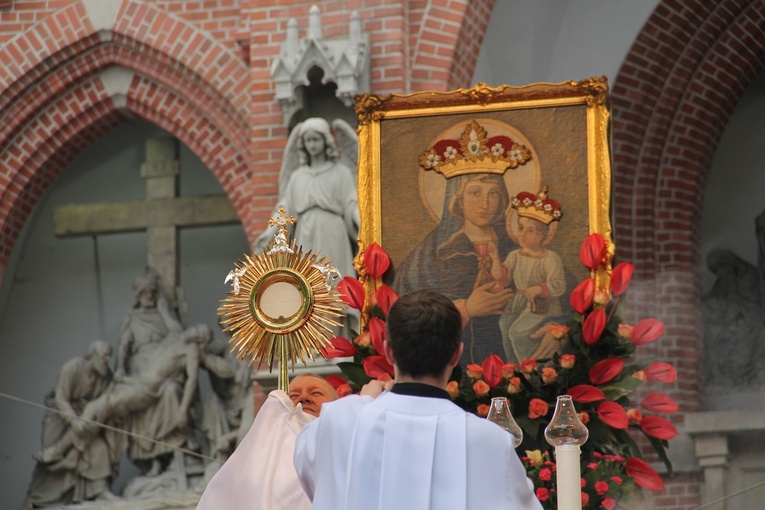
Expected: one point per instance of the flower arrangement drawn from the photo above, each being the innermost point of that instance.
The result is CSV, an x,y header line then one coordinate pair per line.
x,y
592,361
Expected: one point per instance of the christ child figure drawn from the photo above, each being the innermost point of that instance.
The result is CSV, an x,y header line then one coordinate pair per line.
x,y
535,271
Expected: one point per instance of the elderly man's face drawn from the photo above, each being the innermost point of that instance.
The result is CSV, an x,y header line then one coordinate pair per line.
x,y
311,392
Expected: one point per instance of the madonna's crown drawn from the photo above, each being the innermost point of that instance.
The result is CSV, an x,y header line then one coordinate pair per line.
x,y
474,152
537,207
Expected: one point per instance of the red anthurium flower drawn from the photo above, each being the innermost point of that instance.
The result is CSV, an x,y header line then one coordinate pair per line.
x,y
646,331
606,370
593,326
660,403
376,260
377,366
492,370
582,295
621,277
585,394
613,415
656,426
660,371
385,297
592,250
339,347
352,292
644,475
377,332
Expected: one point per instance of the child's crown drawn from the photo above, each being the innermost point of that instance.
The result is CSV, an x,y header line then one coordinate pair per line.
x,y
474,152
536,207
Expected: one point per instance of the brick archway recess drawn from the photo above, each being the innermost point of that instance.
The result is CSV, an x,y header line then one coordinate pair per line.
x,y
672,99
61,96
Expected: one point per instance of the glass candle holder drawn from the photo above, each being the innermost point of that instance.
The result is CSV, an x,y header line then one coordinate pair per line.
x,y
499,413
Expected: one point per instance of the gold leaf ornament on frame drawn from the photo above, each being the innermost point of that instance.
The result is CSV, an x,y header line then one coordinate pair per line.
x,y
283,304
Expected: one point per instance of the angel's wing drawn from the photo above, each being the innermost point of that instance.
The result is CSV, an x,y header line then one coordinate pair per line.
x,y
290,160
348,141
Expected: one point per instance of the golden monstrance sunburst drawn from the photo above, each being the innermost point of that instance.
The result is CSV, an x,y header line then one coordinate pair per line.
x,y
283,303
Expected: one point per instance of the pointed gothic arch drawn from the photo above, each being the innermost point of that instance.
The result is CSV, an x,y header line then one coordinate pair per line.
x,y
672,99
445,42
92,72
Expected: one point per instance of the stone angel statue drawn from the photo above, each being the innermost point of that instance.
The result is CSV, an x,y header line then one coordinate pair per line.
x,y
317,185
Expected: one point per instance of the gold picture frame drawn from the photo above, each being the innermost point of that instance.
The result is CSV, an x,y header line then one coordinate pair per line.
x,y
558,134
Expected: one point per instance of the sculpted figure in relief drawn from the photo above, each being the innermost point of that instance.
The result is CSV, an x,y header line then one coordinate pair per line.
x,y
85,471
176,356
146,325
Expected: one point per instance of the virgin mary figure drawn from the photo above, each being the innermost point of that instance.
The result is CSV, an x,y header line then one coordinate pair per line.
x,y
460,257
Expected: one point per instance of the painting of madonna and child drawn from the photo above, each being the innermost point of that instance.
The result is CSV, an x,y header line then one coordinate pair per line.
x,y
489,210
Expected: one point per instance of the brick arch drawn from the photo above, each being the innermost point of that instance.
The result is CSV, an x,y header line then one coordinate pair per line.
x,y
53,97
672,99
445,41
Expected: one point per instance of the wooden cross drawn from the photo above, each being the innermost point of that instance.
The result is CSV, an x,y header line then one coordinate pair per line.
x,y
161,214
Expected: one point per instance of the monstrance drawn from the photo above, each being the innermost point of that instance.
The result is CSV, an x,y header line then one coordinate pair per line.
x,y
283,303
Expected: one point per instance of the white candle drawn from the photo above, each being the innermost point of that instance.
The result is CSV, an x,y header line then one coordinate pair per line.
x,y
568,477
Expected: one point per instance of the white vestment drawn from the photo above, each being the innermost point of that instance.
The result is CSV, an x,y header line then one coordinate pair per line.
x,y
260,473
409,452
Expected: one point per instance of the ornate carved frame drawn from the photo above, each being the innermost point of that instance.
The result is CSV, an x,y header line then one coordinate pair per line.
x,y
538,110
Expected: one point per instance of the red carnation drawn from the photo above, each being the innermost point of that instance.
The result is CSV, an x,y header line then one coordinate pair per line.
x,y
352,292
582,295
660,403
385,297
585,394
377,333
656,426
376,260
613,415
594,325
621,277
592,250
606,370
644,475
492,370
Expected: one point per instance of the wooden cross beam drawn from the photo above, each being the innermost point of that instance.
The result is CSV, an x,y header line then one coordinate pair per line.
x,y
161,214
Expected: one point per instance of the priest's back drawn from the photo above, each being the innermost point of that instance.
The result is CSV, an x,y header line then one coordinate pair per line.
x,y
411,451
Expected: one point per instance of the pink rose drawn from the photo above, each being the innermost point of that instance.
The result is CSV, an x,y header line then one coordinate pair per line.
x,y
508,370
453,389
624,330
635,415
528,366
609,503
543,494
474,371
538,408
601,487
545,475
480,388
559,332
363,340
549,375
585,499
514,386
567,360
617,480
601,297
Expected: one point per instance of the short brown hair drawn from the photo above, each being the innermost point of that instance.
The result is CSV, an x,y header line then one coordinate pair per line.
x,y
424,330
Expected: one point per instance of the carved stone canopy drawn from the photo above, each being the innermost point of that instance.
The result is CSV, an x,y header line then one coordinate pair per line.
x,y
344,61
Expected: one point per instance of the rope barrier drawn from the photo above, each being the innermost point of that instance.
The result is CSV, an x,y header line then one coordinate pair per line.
x,y
110,428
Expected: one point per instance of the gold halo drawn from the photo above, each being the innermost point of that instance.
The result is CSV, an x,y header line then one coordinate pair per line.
x,y
261,334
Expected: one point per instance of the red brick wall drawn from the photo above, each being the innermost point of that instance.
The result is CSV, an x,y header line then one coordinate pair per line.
x,y
203,74
672,99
